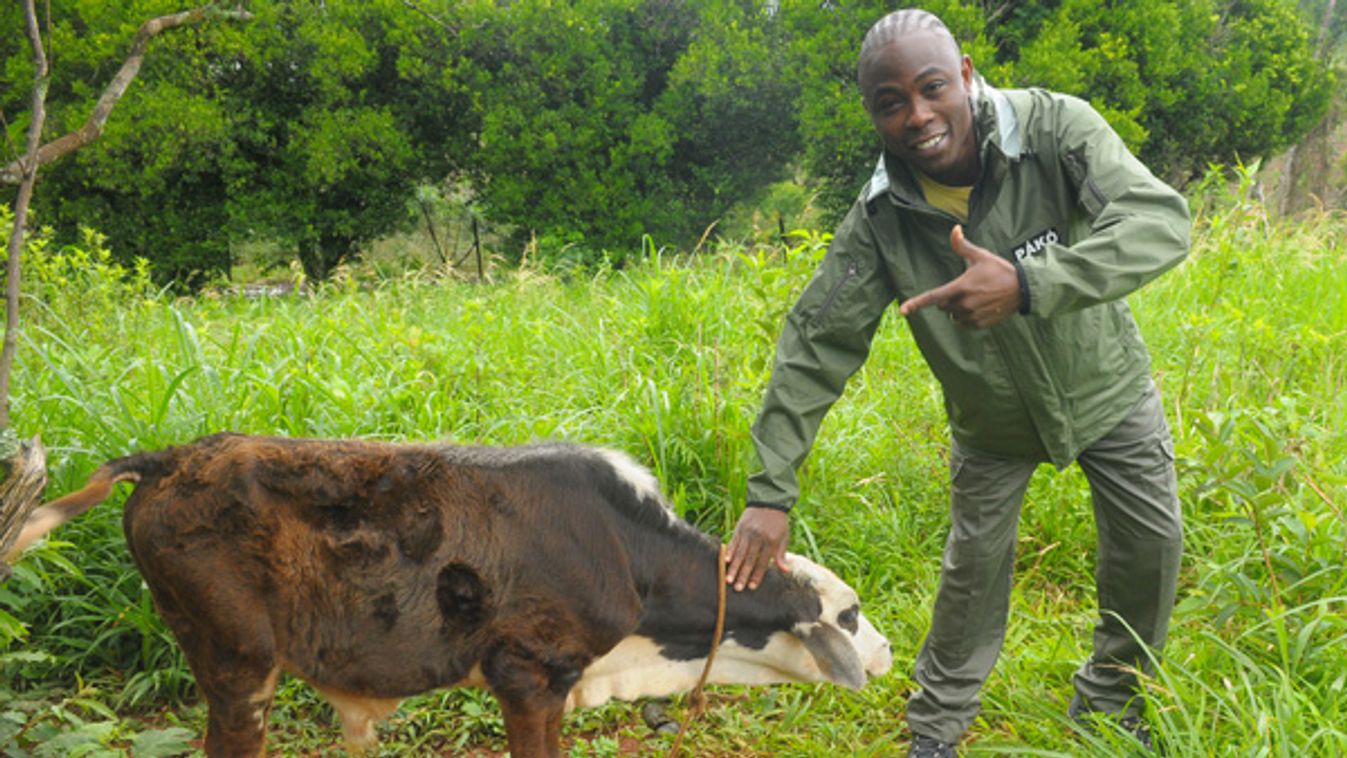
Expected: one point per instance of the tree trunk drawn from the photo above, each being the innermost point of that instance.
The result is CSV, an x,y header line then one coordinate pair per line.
x,y
27,171
1296,194
311,258
25,476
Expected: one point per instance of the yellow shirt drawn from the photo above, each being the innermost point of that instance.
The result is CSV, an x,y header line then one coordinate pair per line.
x,y
953,200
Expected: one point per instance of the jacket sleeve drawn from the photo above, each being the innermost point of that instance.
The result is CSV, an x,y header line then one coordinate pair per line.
x,y
826,338
1139,226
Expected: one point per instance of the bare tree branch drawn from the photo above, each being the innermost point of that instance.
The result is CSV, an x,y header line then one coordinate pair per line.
x,y
93,127
1320,46
447,27
23,170
994,13
27,178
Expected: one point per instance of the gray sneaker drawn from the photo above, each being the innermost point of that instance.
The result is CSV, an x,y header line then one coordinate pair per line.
x,y
930,747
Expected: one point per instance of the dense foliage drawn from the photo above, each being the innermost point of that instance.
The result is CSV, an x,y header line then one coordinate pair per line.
x,y
583,124
1186,84
608,119
306,126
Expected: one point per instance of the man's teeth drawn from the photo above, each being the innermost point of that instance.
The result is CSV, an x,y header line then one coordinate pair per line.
x,y
929,143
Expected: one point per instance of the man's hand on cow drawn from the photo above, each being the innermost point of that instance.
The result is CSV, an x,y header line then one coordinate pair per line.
x,y
985,294
759,539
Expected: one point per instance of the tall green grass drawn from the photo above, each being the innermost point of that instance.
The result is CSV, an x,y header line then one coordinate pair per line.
x,y
666,360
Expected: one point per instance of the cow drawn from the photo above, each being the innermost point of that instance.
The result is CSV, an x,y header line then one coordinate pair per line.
x,y
555,575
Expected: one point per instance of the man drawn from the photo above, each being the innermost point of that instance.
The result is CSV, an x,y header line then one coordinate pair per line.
x,y
1009,225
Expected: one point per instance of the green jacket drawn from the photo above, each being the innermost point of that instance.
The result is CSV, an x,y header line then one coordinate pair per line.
x,y
1088,224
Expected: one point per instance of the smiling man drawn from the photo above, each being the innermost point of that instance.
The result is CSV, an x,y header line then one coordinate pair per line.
x,y
1009,225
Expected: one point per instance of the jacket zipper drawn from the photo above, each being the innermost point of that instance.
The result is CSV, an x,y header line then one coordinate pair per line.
x,y
837,288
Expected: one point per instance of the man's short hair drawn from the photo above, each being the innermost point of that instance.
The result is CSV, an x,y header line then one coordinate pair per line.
x,y
900,24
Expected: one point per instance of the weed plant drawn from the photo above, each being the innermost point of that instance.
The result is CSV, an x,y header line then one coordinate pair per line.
x,y
667,360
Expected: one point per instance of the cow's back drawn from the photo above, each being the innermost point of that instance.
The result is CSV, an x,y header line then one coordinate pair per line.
x,y
376,568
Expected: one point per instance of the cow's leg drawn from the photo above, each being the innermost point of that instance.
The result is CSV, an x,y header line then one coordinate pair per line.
x,y
239,704
358,717
532,667
554,730
532,700
533,729
230,647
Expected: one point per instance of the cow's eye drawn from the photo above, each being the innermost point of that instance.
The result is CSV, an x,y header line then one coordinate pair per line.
x,y
849,619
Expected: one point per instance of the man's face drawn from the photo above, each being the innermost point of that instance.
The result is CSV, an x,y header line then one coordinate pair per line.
x,y
916,90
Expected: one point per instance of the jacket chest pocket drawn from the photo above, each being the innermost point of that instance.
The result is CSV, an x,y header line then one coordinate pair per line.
x,y
1034,209
921,260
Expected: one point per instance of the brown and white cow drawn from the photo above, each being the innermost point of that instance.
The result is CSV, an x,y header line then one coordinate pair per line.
x,y
555,575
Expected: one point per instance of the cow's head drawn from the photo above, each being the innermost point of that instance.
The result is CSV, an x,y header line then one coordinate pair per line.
x,y
818,634
845,647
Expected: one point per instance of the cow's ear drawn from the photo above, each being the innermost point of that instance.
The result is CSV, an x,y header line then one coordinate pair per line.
x,y
835,655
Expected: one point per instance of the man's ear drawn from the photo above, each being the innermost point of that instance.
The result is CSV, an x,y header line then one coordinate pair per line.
x,y
966,72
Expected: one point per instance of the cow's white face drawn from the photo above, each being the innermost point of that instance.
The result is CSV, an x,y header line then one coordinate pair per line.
x,y
847,649
841,647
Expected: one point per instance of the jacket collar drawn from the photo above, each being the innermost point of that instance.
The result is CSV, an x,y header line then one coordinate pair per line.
x,y
999,135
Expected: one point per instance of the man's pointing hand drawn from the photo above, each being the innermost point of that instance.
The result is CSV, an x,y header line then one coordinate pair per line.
x,y
985,294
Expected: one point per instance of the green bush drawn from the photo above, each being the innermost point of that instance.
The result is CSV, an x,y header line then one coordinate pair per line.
x,y
607,120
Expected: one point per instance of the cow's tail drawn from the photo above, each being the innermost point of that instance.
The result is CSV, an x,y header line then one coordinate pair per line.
x,y
57,512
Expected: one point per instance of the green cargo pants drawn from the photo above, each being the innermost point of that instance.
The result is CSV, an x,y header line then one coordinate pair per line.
x,y
1140,528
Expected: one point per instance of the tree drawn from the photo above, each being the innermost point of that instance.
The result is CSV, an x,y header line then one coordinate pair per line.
x,y
564,94
24,169
310,127
339,111
602,120
1186,83
24,464
731,103
109,181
